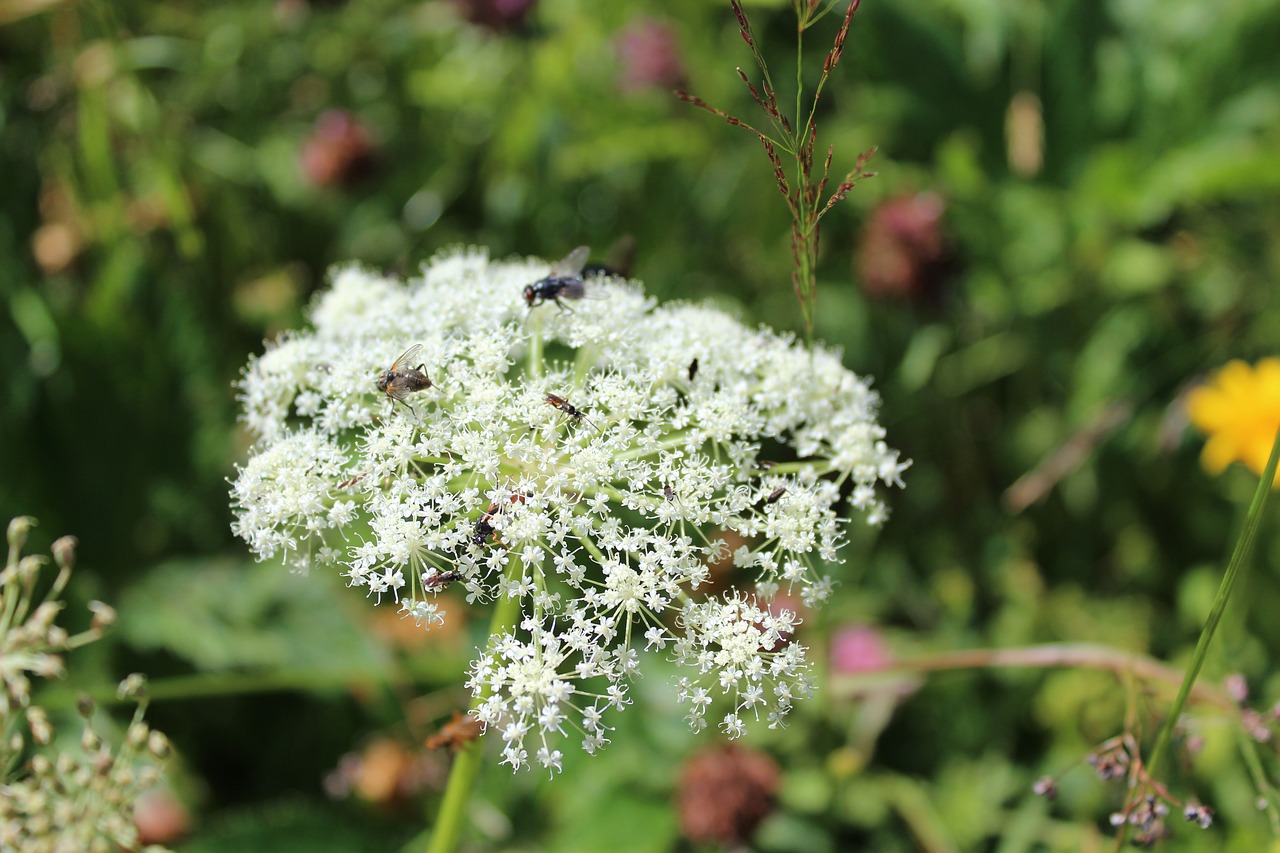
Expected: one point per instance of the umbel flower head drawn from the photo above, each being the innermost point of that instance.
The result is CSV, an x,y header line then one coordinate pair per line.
x,y
577,464
1239,410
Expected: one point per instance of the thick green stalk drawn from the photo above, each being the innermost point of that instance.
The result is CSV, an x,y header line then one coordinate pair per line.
x,y
466,766
1238,558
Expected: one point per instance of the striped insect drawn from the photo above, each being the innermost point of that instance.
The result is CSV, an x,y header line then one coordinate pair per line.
x,y
569,409
565,406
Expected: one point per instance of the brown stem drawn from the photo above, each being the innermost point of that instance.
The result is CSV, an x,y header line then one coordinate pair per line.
x,y
1084,655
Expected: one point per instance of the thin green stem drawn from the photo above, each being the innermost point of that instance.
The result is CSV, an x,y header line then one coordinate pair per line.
x,y
1249,750
820,466
592,549
11,594
801,133
674,440
1244,545
582,364
807,284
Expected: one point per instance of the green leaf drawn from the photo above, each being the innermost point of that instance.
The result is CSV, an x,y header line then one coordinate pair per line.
x,y
293,827
222,614
618,823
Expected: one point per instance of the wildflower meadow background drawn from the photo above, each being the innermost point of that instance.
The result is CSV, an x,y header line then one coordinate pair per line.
x,y
1058,298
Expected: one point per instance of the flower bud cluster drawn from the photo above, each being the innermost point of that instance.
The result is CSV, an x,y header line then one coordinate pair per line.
x,y
81,796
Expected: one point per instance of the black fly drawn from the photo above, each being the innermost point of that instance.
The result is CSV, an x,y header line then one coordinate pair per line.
x,y
564,282
484,524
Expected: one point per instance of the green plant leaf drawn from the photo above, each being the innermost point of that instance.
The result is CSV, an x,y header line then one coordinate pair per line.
x,y
224,613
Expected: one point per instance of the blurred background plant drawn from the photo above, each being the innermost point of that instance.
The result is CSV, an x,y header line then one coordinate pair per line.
x,y
61,792
1076,216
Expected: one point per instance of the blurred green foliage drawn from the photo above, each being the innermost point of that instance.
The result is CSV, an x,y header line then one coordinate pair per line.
x,y
174,192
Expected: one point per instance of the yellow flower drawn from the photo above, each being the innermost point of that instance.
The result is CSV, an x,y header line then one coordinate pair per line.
x,y
1239,410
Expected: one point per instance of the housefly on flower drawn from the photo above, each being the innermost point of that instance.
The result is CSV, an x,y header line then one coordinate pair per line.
x,y
400,380
564,281
434,580
671,497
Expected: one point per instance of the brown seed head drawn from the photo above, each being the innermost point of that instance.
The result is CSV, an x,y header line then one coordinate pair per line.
x,y
725,793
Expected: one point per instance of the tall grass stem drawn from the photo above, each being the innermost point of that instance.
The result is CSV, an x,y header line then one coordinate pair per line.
x,y
1244,545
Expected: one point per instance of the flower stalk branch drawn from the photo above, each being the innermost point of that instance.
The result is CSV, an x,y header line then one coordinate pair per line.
x,y
805,190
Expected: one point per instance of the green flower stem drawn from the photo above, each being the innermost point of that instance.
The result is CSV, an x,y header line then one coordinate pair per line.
x,y
533,360
466,766
676,439
9,595
582,363
1244,545
593,549
819,466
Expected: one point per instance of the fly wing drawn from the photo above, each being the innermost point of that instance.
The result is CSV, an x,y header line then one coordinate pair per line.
x,y
570,266
406,358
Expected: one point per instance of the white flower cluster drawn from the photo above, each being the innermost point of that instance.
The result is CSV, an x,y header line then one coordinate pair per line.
x,y
582,465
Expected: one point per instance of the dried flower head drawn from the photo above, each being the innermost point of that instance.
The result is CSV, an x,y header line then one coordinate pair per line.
x,y
902,250
567,460
339,152
497,15
725,793
385,772
648,56
1046,786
